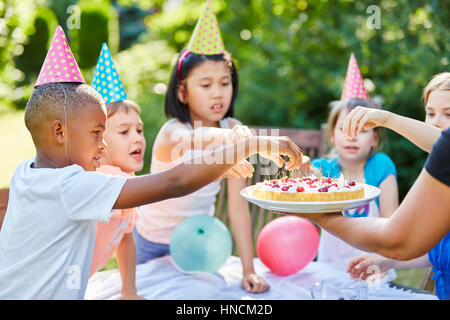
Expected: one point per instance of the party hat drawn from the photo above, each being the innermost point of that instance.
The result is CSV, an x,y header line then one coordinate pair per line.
x,y
59,64
354,84
206,38
106,78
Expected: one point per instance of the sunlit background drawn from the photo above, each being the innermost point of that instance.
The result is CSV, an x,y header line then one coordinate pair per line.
x,y
291,55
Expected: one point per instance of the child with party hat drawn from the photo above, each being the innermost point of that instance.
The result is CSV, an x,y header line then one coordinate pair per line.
x,y
124,155
200,98
358,160
48,234
436,97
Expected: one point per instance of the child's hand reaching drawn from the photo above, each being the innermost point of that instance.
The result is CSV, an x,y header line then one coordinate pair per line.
x,y
272,147
369,265
362,118
253,283
305,167
241,170
237,134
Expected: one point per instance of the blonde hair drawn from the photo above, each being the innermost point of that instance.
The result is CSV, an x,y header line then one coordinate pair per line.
x,y
124,105
347,105
441,81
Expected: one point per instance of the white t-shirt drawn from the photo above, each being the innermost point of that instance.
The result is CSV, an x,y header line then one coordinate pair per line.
x,y
48,234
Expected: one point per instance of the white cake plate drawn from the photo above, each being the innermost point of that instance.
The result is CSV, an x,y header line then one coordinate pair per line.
x,y
370,193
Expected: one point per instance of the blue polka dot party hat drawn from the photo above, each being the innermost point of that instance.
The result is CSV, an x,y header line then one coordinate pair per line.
x,y
106,78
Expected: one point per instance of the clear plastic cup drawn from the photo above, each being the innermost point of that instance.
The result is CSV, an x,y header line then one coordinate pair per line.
x,y
340,289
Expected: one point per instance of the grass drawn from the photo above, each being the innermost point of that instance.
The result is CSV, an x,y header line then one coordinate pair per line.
x,y
410,277
112,264
16,145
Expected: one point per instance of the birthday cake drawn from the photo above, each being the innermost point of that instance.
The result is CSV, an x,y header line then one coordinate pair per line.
x,y
308,189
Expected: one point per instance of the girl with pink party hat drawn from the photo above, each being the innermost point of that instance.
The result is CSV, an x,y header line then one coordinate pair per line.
x,y
357,159
200,98
436,97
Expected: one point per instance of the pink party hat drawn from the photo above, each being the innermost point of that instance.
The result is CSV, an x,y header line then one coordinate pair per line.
x,y
354,84
59,64
206,38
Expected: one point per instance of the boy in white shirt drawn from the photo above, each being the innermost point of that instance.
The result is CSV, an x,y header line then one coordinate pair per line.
x,y
48,234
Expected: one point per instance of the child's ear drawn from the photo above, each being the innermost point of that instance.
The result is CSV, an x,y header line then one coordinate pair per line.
x,y
181,92
58,131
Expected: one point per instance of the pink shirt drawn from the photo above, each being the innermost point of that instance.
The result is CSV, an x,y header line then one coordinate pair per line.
x,y
110,234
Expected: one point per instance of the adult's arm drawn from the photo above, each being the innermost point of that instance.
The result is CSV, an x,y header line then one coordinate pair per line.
x,y
421,221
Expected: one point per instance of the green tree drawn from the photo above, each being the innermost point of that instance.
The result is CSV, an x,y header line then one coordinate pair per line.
x,y
292,57
99,23
16,24
35,50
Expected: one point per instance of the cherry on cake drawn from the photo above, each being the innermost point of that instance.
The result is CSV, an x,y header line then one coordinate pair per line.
x,y
308,189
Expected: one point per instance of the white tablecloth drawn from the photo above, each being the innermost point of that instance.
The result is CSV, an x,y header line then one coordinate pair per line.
x,y
160,279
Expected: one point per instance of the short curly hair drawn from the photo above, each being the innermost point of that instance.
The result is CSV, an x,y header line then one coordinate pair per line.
x,y
48,100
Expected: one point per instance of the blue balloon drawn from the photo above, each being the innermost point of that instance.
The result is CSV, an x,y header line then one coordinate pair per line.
x,y
200,243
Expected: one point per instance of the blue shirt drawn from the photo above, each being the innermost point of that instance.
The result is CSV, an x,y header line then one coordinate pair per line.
x,y
377,168
438,165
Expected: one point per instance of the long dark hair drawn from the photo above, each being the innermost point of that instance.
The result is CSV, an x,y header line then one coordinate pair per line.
x,y
173,107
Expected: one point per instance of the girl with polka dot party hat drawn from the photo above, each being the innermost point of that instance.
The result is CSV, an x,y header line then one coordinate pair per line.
x,y
124,155
200,101
358,160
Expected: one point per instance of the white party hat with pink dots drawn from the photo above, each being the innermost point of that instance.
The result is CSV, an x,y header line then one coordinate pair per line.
x,y
59,64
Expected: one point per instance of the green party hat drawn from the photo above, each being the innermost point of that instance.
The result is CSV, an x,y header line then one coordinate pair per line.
x,y
206,38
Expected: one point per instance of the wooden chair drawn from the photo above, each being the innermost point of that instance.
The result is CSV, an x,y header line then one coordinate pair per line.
x,y
427,283
3,204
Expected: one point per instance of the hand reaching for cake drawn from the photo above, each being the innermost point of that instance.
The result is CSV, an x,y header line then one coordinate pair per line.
x,y
273,148
237,134
243,169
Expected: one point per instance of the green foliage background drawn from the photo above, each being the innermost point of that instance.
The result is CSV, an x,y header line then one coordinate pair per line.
x,y
292,55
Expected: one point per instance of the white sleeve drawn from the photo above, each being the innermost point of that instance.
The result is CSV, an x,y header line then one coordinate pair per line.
x,y
88,195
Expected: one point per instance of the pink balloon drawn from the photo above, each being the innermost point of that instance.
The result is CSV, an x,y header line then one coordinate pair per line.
x,y
287,244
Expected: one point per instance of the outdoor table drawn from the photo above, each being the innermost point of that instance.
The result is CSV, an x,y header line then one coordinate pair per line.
x,y
160,279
